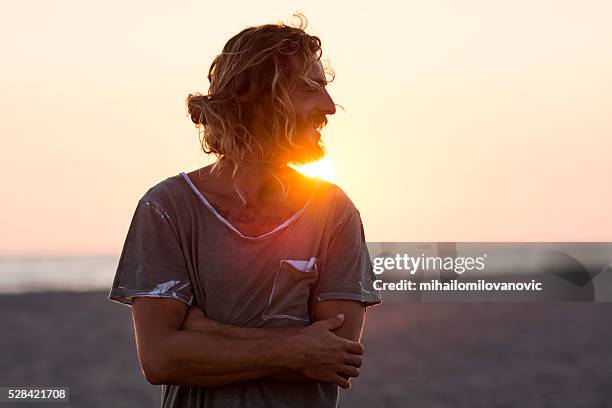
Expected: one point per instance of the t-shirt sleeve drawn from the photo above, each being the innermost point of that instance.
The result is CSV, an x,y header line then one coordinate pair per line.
x,y
348,273
152,263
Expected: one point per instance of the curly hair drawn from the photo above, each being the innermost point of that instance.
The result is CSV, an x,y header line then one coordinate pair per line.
x,y
253,78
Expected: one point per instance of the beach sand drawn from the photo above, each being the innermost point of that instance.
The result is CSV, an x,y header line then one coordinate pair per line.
x,y
417,355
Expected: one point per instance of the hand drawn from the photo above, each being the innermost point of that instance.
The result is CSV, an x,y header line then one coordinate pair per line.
x,y
327,357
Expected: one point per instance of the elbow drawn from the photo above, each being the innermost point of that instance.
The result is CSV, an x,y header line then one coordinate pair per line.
x,y
154,380
159,376
154,367
156,362
164,372
162,365
154,373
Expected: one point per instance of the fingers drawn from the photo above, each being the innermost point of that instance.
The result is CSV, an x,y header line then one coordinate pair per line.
x,y
353,346
340,382
353,360
348,371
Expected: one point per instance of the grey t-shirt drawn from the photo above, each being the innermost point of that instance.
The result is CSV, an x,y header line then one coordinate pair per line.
x,y
178,246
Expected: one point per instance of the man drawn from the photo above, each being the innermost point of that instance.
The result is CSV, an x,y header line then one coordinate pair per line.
x,y
249,281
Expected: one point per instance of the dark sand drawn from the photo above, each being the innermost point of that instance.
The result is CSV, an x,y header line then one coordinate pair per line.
x,y
417,355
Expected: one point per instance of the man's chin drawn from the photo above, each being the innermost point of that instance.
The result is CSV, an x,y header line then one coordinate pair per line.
x,y
301,156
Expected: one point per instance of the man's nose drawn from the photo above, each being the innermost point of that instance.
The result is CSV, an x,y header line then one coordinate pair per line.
x,y
328,107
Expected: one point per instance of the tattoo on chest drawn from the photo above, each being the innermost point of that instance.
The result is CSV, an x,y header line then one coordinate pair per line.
x,y
222,211
247,217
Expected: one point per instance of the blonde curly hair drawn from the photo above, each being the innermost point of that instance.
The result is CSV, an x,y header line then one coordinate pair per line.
x,y
253,78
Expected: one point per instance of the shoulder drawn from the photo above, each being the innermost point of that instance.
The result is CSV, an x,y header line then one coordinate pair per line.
x,y
338,201
166,195
163,190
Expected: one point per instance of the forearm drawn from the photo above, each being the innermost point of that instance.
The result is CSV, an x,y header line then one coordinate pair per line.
x,y
206,325
203,359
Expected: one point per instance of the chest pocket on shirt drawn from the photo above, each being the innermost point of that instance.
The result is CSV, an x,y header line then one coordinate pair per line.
x,y
291,290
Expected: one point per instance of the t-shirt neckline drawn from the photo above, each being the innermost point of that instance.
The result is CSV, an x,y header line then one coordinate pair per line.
x,y
212,209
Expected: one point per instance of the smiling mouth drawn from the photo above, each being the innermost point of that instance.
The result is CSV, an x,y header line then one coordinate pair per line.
x,y
318,122
315,125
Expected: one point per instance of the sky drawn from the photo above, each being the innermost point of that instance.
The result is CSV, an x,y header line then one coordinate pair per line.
x,y
462,121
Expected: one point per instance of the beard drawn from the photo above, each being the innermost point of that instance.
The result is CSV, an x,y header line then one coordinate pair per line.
x,y
307,150
308,146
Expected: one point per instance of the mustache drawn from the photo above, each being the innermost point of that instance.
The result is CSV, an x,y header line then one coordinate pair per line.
x,y
316,121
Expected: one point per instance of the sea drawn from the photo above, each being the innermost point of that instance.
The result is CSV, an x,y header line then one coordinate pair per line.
x,y
51,273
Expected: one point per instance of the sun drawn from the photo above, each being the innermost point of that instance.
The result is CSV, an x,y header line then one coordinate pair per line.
x,y
323,169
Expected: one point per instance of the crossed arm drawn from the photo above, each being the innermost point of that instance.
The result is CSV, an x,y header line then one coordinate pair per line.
x,y
179,345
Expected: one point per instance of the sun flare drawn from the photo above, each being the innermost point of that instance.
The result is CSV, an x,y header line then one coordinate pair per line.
x,y
323,169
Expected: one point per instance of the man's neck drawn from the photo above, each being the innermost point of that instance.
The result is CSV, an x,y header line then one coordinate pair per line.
x,y
258,181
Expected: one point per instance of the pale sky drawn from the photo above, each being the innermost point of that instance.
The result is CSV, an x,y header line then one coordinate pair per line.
x,y
464,121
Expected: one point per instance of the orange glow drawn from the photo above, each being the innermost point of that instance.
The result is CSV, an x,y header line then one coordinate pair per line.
x,y
323,169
